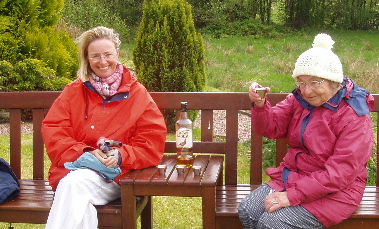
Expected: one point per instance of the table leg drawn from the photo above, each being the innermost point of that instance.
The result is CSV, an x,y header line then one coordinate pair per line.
x,y
147,214
209,207
128,203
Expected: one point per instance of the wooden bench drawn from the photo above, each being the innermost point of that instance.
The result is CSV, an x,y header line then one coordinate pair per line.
x,y
229,195
35,199
33,204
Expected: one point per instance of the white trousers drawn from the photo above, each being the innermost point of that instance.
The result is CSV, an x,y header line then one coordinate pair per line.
x,y
75,197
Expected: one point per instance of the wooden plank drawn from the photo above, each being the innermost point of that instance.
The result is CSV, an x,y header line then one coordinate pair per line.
x,y
206,126
212,171
170,162
145,176
231,146
15,141
200,160
38,145
256,156
28,100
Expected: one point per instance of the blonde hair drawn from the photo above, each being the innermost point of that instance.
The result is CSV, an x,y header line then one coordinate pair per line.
x,y
83,42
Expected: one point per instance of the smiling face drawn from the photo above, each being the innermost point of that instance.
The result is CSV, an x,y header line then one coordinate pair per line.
x,y
103,57
320,95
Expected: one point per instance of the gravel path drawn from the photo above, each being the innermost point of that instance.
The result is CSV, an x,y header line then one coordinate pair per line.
x,y
26,128
244,124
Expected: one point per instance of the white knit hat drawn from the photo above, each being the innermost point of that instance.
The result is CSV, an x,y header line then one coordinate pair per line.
x,y
320,61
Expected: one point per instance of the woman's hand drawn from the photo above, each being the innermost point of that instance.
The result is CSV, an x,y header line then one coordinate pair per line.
x,y
254,96
110,162
276,200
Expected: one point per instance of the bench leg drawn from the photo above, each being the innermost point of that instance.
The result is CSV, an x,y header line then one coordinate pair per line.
x,y
147,215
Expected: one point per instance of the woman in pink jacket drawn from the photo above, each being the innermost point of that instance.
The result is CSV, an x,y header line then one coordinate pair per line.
x,y
106,104
326,121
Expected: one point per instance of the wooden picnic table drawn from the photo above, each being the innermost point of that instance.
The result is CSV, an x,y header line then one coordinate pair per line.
x,y
149,182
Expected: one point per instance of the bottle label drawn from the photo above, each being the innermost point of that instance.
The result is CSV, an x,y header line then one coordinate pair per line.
x,y
184,138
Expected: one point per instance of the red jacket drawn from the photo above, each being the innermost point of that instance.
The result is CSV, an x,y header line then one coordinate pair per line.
x,y
329,147
79,116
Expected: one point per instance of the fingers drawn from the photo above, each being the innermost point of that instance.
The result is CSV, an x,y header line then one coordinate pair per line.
x,y
99,154
276,201
110,162
271,204
258,97
107,161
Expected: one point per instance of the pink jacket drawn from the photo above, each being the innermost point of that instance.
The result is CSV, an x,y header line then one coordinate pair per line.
x,y
329,147
79,116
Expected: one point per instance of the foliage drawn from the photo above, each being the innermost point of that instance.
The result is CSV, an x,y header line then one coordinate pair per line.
x,y
56,48
29,75
91,13
9,45
128,10
28,32
341,14
169,53
264,17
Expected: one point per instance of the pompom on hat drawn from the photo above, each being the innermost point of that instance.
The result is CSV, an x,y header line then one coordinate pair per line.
x,y
320,61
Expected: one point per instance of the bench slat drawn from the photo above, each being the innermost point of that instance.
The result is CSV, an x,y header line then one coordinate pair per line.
x,y
38,145
15,140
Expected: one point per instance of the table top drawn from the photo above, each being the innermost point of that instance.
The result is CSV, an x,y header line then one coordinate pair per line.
x,y
211,170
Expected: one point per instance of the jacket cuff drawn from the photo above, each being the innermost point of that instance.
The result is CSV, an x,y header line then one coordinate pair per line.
x,y
293,196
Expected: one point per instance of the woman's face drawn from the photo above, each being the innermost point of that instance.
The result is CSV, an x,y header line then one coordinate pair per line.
x,y
102,57
316,91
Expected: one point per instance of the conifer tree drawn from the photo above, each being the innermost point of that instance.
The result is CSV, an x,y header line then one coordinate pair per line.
x,y
169,53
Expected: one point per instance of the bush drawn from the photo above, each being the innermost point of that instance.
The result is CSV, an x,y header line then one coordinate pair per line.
x,y
169,53
28,36
91,13
56,48
6,73
29,75
9,48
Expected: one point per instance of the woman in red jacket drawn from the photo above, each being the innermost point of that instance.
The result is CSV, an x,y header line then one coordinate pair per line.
x,y
105,103
327,123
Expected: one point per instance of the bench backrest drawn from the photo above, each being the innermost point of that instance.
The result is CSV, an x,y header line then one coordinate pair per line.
x,y
206,102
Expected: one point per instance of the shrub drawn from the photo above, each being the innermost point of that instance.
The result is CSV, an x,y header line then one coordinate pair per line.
x,y
28,36
6,73
29,75
9,48
169,53
54,47
91,13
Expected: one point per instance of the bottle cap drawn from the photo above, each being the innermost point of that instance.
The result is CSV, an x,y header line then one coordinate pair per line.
x,y
184,106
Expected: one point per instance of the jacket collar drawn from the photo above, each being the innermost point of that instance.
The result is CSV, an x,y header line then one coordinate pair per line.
x,y
354,95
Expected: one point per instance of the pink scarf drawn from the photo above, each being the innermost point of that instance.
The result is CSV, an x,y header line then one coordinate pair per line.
x,y
107,87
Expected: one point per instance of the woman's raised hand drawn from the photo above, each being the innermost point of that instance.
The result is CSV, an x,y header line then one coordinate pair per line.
x,y
255,97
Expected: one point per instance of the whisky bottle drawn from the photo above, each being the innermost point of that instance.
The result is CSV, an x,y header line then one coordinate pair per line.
x,y
184,138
